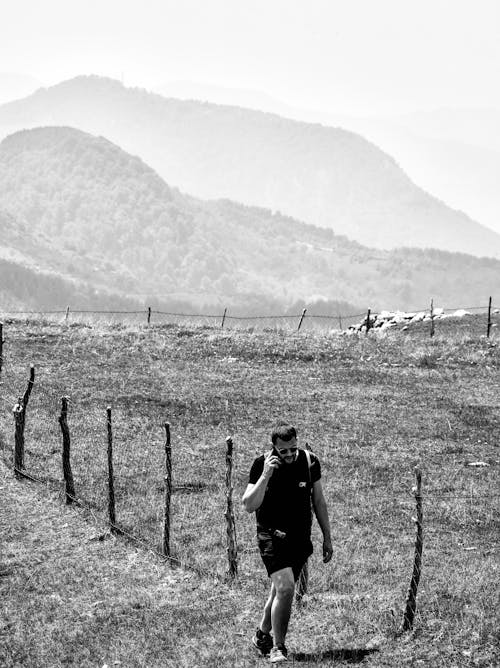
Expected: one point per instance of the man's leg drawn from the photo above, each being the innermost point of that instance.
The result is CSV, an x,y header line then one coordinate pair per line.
x,y
265,623
281,605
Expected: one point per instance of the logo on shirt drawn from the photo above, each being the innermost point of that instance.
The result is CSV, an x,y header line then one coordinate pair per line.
x,y
302,484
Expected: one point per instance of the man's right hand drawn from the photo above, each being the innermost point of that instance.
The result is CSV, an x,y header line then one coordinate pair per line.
x,y
271,462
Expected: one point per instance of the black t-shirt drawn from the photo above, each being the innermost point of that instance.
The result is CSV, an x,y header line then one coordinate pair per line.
x,y
287,501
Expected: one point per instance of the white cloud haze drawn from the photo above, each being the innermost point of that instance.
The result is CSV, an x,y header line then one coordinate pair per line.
x,y
352,56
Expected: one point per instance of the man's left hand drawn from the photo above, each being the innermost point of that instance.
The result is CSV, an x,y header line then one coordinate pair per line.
x,y
327,550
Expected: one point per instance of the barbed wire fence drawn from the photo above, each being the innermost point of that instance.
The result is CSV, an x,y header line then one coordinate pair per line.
x,y
346,322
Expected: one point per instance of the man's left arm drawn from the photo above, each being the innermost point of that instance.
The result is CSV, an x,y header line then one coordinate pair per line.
x,y
321,512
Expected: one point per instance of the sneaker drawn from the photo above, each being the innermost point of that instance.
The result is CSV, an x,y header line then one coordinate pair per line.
x,y
278,654
262,641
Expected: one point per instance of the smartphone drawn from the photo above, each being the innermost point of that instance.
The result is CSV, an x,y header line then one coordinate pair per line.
x,y
275,452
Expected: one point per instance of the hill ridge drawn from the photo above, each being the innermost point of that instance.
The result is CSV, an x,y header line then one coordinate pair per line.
x,y
112,221
326,176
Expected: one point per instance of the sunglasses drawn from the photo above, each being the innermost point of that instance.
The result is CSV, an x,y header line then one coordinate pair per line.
x,y
284,451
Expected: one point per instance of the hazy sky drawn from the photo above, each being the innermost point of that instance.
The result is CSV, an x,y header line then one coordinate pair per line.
x,y
352,56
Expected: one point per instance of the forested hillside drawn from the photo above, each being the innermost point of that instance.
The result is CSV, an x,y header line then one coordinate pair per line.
x,y
94,213
325,176
23,288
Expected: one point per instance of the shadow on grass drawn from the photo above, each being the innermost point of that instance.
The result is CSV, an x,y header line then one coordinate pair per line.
x,y
349,655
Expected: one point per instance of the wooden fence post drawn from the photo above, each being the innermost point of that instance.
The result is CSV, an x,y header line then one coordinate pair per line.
x,y
302,318
66,461
168,492
432,317
411,599
340,321
27,392
19,411
67,313
19,438
223,318
1,346
303,579
368,320
149,315
111,483
488,329
232,547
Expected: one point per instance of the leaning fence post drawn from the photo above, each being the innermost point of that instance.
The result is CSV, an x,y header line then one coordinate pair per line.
x,y
303,579
368,314
66,462
168,492
27,392
19,411
232,547
301,319
488,329
223,318
1,346
411,599
432,317
111,483
67,313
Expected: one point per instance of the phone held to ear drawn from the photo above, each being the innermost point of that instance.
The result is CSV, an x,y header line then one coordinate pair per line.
x,y
276,454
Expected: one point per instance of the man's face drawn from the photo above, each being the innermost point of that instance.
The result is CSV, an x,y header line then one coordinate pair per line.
x,y
287,450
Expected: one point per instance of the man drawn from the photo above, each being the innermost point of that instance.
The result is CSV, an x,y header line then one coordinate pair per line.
x,y
282,484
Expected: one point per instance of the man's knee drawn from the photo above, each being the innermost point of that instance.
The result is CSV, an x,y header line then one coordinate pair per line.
x,y
284,583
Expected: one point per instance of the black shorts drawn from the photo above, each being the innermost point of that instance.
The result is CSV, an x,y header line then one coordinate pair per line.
x,y
283,552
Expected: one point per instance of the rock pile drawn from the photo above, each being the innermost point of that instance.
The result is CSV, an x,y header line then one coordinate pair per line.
x,y
387,319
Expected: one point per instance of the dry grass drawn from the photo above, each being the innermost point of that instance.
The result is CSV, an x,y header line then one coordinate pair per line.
x,y
371,407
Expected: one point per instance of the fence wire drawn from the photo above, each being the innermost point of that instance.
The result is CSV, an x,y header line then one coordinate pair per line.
x,y
306,320
198,529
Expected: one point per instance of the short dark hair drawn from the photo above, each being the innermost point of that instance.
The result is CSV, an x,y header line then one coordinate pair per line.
x,y
284,431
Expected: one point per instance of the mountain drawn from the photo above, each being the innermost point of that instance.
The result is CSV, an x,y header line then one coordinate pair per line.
x,y
233,97
456,153
453,154
457,167
89,212
322,175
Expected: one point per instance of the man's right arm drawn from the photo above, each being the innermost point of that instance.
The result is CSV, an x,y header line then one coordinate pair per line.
x,y
254,493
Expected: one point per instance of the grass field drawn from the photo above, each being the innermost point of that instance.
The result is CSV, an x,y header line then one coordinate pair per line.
x,y
372,408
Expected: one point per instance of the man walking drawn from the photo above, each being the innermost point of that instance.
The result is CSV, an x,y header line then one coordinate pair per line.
x,y
282,484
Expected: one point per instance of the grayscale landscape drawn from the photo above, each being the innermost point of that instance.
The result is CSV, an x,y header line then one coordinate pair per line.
x,y
214,216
